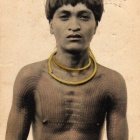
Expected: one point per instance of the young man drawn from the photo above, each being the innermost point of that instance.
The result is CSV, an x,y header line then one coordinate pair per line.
x,y
69,96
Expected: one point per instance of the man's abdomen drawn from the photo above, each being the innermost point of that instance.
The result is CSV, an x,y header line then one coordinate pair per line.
x,y
47,133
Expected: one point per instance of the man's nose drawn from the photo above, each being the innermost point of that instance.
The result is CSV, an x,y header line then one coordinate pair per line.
x,y
74,25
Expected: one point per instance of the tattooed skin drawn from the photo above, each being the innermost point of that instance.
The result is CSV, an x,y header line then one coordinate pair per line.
x,y
62,112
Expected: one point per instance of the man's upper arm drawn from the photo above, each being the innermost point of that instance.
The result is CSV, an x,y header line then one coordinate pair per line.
x,y
22,108
117,128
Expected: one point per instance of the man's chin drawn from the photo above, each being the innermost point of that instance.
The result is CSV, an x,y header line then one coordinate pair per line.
x,y
74,51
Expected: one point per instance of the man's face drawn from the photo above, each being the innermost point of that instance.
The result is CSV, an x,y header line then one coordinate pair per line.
x,y
73,27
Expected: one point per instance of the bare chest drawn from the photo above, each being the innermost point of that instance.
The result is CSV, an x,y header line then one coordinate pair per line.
x,y
62,106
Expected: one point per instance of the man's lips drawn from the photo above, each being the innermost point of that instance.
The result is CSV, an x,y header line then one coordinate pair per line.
x,y
76,36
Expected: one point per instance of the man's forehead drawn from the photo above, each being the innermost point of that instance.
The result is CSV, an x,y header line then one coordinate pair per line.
x,y
77,8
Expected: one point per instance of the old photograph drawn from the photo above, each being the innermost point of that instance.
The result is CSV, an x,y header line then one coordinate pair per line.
x,y
69,70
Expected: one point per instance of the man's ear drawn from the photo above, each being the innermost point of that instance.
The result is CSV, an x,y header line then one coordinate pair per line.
x,y
51,27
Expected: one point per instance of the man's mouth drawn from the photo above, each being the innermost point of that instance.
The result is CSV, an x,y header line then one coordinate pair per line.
x,y
74,37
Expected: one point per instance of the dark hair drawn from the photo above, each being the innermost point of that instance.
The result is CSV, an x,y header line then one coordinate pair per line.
x,y
95,5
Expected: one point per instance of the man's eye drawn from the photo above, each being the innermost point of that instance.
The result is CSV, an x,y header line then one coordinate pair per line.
x,y
84,18
64,17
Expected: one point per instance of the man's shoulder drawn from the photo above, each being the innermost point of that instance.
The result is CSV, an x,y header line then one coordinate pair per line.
x,y
110,74
115,86
32,70
112,79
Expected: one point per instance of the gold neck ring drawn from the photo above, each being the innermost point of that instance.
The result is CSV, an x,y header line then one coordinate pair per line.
x,y
74,83
68,68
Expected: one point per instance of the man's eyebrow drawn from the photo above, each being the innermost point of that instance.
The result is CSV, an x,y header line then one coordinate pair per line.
x,y
64,12
84,12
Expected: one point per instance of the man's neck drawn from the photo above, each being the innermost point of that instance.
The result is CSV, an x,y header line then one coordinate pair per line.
x,y
72,59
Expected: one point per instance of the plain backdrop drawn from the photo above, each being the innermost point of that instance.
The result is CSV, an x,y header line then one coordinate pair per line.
x,y
25,38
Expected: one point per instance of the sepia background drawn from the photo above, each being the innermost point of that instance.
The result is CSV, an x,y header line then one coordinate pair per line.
x,y
25,38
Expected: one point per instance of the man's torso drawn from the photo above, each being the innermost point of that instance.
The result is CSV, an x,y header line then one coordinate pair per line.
x,y
64,112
